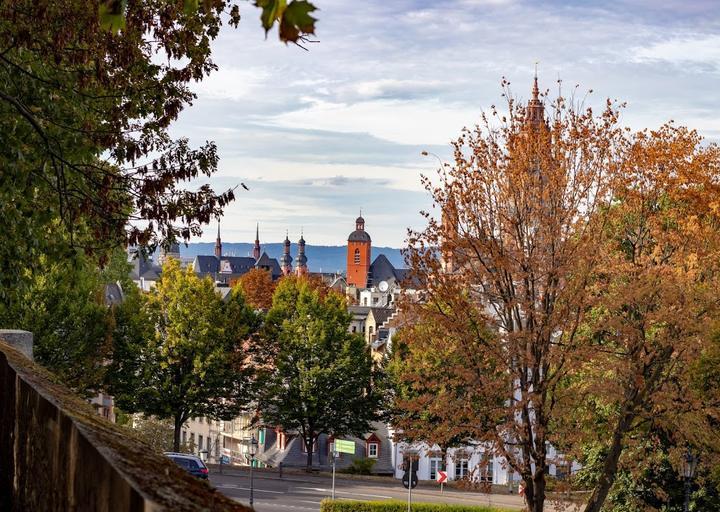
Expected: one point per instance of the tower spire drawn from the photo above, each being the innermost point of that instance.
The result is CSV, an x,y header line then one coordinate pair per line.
x,y
256,248
286,260
535,113
218,243
301,261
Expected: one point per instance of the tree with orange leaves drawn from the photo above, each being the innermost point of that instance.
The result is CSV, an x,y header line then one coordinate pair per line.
x,y
501,348
654,304
257,287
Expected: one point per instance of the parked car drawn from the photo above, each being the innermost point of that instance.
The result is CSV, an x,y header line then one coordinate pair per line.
x,y
190,463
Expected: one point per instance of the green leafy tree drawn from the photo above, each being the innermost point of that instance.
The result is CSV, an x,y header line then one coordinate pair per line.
x,y
179,351
156,433
64,309
319,378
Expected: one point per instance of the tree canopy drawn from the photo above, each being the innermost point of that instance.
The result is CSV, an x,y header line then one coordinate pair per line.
x,y
319,378
575,287
180,352
257,286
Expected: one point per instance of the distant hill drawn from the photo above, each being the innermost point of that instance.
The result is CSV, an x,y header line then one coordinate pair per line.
x,y
321,258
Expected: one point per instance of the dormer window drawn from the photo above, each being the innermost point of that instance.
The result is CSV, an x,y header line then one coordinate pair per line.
x,y
372,450
372,447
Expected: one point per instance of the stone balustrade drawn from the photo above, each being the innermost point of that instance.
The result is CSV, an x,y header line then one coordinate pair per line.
x,y
56,454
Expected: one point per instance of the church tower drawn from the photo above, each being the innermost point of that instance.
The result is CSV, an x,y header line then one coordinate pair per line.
x,y
256,249
218,244
286,260
301,262
358,255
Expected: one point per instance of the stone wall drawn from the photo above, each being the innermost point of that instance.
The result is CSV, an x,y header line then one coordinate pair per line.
x,y
56,454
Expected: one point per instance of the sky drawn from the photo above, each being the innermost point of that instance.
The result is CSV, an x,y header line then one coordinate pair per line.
x,y
319,135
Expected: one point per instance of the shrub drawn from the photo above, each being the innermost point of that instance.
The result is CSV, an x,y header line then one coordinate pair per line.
x,y
360,467
401,506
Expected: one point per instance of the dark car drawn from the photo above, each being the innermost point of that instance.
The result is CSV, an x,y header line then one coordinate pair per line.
x,y
190,463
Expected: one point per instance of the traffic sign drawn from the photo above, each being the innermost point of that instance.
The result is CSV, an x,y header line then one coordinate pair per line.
x,y
441,477
410,479
343,446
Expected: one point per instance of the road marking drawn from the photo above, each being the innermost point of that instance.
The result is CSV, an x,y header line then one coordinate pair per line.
x,y
320,489
255,489
275,505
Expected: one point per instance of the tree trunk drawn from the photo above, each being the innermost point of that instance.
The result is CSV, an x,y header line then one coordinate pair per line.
x,y
539,489
176,433
308,447
609,471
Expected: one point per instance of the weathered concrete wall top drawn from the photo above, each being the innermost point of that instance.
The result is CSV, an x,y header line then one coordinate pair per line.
x,y
56,454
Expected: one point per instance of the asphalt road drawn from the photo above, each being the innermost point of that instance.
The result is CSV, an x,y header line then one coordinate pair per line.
x,y
303,493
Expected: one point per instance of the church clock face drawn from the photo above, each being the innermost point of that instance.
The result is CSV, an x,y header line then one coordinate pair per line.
x,y
225,267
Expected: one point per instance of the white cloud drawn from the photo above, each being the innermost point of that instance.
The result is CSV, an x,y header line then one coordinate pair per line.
x,y
404,122
232,84
380,87
689,49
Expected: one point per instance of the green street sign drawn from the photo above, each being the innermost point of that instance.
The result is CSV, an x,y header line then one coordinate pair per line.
x,y
344,446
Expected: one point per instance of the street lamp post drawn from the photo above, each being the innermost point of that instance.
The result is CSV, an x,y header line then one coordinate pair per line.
x,y
253,451
689,466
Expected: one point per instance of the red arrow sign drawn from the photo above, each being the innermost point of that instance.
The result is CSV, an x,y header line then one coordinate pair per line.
x,y
441,477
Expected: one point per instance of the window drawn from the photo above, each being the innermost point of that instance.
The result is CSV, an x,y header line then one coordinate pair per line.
x,y
184,436
354,328
200,442
375,300
372,450
461,469
485,469
356,258
207,444
192,438
434,468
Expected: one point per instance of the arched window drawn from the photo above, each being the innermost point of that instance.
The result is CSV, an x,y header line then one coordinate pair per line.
x,y
357,256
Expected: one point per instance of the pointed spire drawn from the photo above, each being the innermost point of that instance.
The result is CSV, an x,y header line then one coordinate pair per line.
x,y
286,260
256,248
301,261
535,112
218,243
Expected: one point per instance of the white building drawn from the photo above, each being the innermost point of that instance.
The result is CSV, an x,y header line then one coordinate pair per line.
x,y
202,437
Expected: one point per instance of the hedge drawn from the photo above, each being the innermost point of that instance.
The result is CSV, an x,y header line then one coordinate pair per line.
x,y
328,505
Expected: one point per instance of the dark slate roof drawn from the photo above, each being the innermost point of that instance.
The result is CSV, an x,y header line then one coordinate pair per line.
x,y
359,235
381,314
359,310
265,261
381,270
211,265
113,294
293,456
142,266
